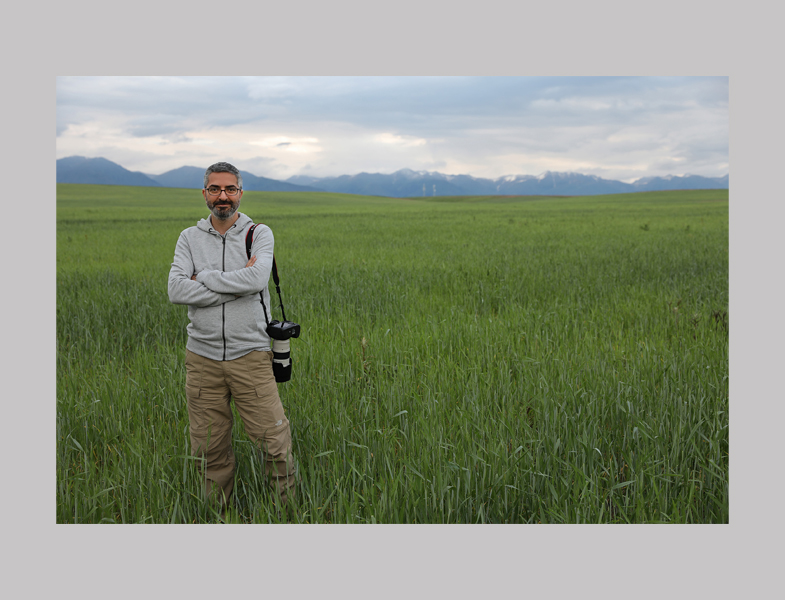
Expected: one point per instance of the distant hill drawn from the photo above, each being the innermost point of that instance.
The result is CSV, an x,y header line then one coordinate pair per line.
x,y
401,184
408,183
559,184
686,182
263,184
397,185
193,178
184,177
78,169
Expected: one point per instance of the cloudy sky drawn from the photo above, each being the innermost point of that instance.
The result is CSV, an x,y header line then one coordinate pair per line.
x,y
615,127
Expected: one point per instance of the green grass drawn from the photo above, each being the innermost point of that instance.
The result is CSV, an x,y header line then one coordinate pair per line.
x,y
463,360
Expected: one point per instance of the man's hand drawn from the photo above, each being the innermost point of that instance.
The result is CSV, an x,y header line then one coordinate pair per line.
x,y
248,264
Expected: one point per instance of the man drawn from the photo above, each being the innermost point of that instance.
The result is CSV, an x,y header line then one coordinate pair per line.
x,y
228,354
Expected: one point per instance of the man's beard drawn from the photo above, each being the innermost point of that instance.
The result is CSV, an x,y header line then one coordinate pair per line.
x,y
224,213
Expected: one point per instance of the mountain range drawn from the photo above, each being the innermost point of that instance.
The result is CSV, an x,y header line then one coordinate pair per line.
x,y
78,169
408,183
401,184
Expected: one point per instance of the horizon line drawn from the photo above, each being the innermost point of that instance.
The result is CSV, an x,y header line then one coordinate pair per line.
x,y
404,169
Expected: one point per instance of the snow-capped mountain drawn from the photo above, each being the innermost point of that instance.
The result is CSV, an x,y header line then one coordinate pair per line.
x,y
409,183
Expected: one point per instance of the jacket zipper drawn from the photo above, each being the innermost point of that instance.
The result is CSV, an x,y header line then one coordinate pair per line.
x,y
223,306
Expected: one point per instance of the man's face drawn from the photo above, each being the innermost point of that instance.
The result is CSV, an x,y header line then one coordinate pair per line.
x,y
222,206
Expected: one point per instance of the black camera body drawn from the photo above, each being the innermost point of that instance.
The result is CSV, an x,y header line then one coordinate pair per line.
x,y
281,332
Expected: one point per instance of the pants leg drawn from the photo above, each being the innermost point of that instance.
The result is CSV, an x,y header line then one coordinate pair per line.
x,y
256,398
210,416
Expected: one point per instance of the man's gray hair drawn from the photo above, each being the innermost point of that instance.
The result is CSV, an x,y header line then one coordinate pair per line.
x,y
223,167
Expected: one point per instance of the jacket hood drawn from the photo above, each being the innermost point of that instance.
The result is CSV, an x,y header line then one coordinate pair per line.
x,y
240,224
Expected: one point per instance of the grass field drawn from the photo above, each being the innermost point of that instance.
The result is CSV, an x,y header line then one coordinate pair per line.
x,y
463,360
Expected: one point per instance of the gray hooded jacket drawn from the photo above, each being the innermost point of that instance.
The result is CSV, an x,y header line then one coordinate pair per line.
x,y
227,320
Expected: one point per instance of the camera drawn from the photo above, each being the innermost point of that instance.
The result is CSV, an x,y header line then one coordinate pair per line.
x,y
283,330
280,333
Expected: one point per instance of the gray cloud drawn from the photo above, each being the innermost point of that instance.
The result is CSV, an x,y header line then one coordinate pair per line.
x,y
602,121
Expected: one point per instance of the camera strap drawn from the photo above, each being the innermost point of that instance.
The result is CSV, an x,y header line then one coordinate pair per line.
x,y
248,244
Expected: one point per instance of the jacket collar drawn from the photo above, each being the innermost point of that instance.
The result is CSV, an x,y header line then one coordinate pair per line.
x,y
240,224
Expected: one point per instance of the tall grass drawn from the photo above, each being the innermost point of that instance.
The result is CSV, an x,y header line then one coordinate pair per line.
x,y
465,360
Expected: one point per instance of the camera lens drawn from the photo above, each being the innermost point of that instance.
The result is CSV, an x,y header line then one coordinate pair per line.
x,y
282,362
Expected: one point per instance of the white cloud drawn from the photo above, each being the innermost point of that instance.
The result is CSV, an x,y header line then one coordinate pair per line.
x,y
399,140
304,145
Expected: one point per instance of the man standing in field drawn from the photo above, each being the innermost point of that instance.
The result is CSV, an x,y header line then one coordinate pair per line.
x,y
228,354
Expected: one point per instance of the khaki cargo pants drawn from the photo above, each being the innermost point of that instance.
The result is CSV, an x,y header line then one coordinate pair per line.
x,y
249,380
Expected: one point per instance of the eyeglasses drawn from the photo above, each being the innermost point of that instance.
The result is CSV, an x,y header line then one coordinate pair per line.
x,y
230,190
